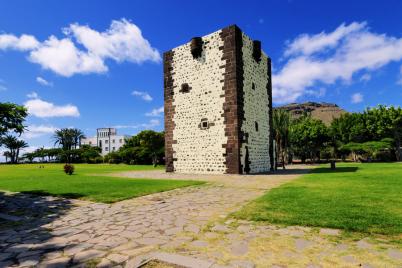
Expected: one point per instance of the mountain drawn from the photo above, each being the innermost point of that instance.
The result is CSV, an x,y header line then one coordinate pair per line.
x,y
318,110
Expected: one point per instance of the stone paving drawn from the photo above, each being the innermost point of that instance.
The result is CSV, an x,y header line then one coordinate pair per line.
x,y
190,221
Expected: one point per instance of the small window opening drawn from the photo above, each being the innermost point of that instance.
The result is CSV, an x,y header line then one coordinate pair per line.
x,y
253,86
196,47
185,88
257,50
256,126
204,123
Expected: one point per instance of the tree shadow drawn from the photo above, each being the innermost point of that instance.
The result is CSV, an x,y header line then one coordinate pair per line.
x,y
336,170
301,171
45,193
25,234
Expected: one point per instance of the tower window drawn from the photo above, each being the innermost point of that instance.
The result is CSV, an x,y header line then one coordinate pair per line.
x,y
204,124
253,86
256,126
257,50
196,47
184,88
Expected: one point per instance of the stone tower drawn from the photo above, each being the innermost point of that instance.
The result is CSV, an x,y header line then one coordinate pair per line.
x,y
218,105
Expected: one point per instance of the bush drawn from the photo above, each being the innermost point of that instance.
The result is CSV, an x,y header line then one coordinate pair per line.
x,y
69,169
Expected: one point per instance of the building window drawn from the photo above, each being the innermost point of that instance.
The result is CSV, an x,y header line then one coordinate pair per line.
x,y
106,148
90,142
113,149
121,141
113,141
256,126
253,86
106,141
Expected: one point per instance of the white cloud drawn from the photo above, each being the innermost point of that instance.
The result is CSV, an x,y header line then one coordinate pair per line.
x,y
156,112
306,45
142,94
3,88
22,43
356,98
365,77
64,58
43,81
327,58
43,109
32,95
34,131
123,41
152,123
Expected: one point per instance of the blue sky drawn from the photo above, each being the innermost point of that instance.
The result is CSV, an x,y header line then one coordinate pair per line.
x,y
90,64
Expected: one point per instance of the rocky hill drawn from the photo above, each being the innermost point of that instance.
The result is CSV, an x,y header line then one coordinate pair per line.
x,y
319,110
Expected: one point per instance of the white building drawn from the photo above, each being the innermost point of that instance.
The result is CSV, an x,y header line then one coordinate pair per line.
x,y
106,139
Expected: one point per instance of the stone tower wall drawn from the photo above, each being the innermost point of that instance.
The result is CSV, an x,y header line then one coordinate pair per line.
x,y
211,108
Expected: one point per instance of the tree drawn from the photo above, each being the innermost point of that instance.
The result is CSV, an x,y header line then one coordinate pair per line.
x,y
78,135
281,123
68,139
147,147
12,117
7,155
14,146
308,137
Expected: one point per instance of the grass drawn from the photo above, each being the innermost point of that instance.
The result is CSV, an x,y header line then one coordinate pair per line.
x,y
355,197
89,182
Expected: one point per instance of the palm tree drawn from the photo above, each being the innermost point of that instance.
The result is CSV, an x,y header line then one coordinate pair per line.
x,y
281,124
7,155
78,136
14,146
64,137
68,139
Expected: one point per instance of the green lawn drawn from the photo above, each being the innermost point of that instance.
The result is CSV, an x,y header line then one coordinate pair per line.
x,y
354,197
51,180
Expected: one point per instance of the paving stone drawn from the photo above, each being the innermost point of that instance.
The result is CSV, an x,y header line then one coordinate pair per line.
x,y
327,231
104,263
242,264
6,263
239,248
29,253
363,244
117,258
150,241
173,231
181,260
220,228
349,259
192,228
4,256
137,251
395,254
302,244
199,243
29,261
55,263
87,255
130,234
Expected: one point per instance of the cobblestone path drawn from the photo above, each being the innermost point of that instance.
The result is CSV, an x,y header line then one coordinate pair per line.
x,y
190,221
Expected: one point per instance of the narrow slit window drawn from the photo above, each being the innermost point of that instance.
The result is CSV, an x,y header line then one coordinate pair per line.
x,y
256,126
